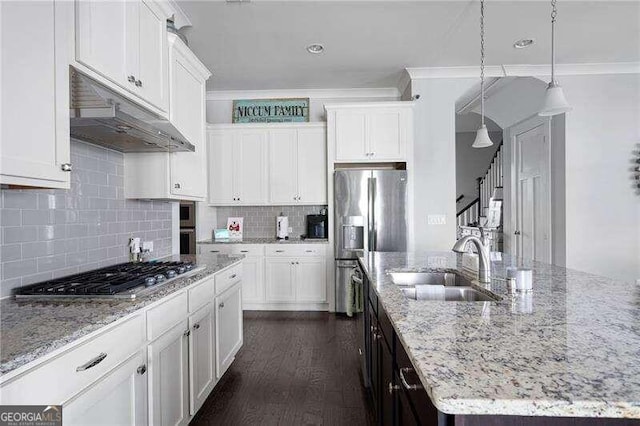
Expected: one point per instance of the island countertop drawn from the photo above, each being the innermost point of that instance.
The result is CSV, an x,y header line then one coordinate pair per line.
x,y
571,348
267,240
31,329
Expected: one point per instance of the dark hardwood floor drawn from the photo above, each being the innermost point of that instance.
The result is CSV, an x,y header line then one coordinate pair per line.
x,y
295,368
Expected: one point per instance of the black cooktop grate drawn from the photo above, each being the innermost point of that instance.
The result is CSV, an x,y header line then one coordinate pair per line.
x,y
105,281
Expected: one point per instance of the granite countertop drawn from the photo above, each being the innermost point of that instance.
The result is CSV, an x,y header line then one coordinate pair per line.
x,y
571,348
268,240
31,329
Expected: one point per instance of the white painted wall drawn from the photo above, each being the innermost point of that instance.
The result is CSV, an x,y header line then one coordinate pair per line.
x,y
472,163
435,159
220,111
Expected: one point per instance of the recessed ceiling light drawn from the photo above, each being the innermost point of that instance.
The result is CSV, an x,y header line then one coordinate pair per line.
x,y
524,43
315,48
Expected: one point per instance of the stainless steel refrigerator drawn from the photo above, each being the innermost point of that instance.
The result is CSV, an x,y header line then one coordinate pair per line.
x,y
369,215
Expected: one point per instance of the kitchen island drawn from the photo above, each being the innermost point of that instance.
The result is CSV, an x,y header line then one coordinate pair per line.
x,y
569,349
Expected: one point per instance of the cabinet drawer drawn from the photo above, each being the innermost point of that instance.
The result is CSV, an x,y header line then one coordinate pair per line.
x,y
215,248
384,324
164,316
416,394
77,368
228,277
201,294
248,249
278,250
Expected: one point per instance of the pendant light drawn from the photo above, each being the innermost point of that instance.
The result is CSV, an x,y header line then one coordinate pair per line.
x,y
482,137
554,100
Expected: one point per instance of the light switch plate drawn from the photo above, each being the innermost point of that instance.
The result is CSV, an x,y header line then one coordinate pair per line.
x,y
437,219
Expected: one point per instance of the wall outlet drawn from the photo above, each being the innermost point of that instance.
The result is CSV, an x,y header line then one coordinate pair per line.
x,y
147,246
436,219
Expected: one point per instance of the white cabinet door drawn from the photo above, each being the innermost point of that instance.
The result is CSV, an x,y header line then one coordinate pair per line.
x,y
228,327
351,135
152,75
310,279
283,153
34,99
312,166
250,178
280,280
169,377
201,356
252,280
221,167
104,39
385,132
119,398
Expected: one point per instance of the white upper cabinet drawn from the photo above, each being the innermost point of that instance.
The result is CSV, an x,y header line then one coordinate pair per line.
x,y
125,42
270,164
179,175
373,132
34,94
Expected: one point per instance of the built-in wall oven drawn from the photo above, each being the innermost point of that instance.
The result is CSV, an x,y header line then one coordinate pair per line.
x,y
187,227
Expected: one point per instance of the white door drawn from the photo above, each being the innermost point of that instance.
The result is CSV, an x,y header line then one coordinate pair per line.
x,y
119,398
221,167
34,100
279,280
103,39
252,280
384,132
169,377
228,327
153,71
283,182
532,193
310,281
351,136
201,356
312,166
250,178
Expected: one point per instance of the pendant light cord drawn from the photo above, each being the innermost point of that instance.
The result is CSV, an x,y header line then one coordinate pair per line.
x,y
554,13
482,60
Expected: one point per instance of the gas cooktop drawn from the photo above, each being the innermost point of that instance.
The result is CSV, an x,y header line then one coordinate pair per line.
x,y
122,281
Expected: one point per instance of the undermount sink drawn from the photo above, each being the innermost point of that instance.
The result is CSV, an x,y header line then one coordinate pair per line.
x,y
444,286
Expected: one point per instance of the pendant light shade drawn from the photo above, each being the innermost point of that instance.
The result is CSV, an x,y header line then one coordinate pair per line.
x,y
482,138
554,101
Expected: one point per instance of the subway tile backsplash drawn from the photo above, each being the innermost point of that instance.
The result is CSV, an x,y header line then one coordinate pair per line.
x,y
260,222
52,233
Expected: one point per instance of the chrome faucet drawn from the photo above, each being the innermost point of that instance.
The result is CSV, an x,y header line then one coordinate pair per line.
x,y
484,269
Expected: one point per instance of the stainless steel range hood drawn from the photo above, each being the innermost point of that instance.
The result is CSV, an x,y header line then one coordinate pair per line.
x,y
102,117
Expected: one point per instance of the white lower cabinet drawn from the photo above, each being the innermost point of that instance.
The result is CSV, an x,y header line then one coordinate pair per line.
x,y
201,356
168,363
228,321
280,282
311,279
119,398
252,280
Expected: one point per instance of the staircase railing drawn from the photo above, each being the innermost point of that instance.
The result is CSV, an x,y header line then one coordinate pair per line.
x,y
492,179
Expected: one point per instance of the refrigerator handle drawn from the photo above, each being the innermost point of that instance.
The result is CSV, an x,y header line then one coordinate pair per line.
x,y
372,214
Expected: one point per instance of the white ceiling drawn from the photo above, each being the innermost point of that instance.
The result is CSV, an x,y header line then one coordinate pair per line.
x,y
261,44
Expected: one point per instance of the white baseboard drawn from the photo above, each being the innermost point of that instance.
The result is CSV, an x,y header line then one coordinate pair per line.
x,y
323,307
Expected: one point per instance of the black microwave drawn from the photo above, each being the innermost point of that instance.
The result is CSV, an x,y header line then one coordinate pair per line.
x,y
317,226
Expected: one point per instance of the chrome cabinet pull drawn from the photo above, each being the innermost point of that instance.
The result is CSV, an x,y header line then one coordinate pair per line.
x,y
92,362
215,251
177,186
392,388
142,369
279,251
404,380
187,333
221,305
196,326
244,251
131,79
138,83
232,276
359,351
66,167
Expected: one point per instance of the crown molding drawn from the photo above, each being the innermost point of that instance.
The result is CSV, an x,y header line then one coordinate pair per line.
x,y
376,92
404,82
524,70
180,19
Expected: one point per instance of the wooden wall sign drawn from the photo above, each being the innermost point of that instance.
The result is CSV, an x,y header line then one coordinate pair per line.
x,y
294,110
